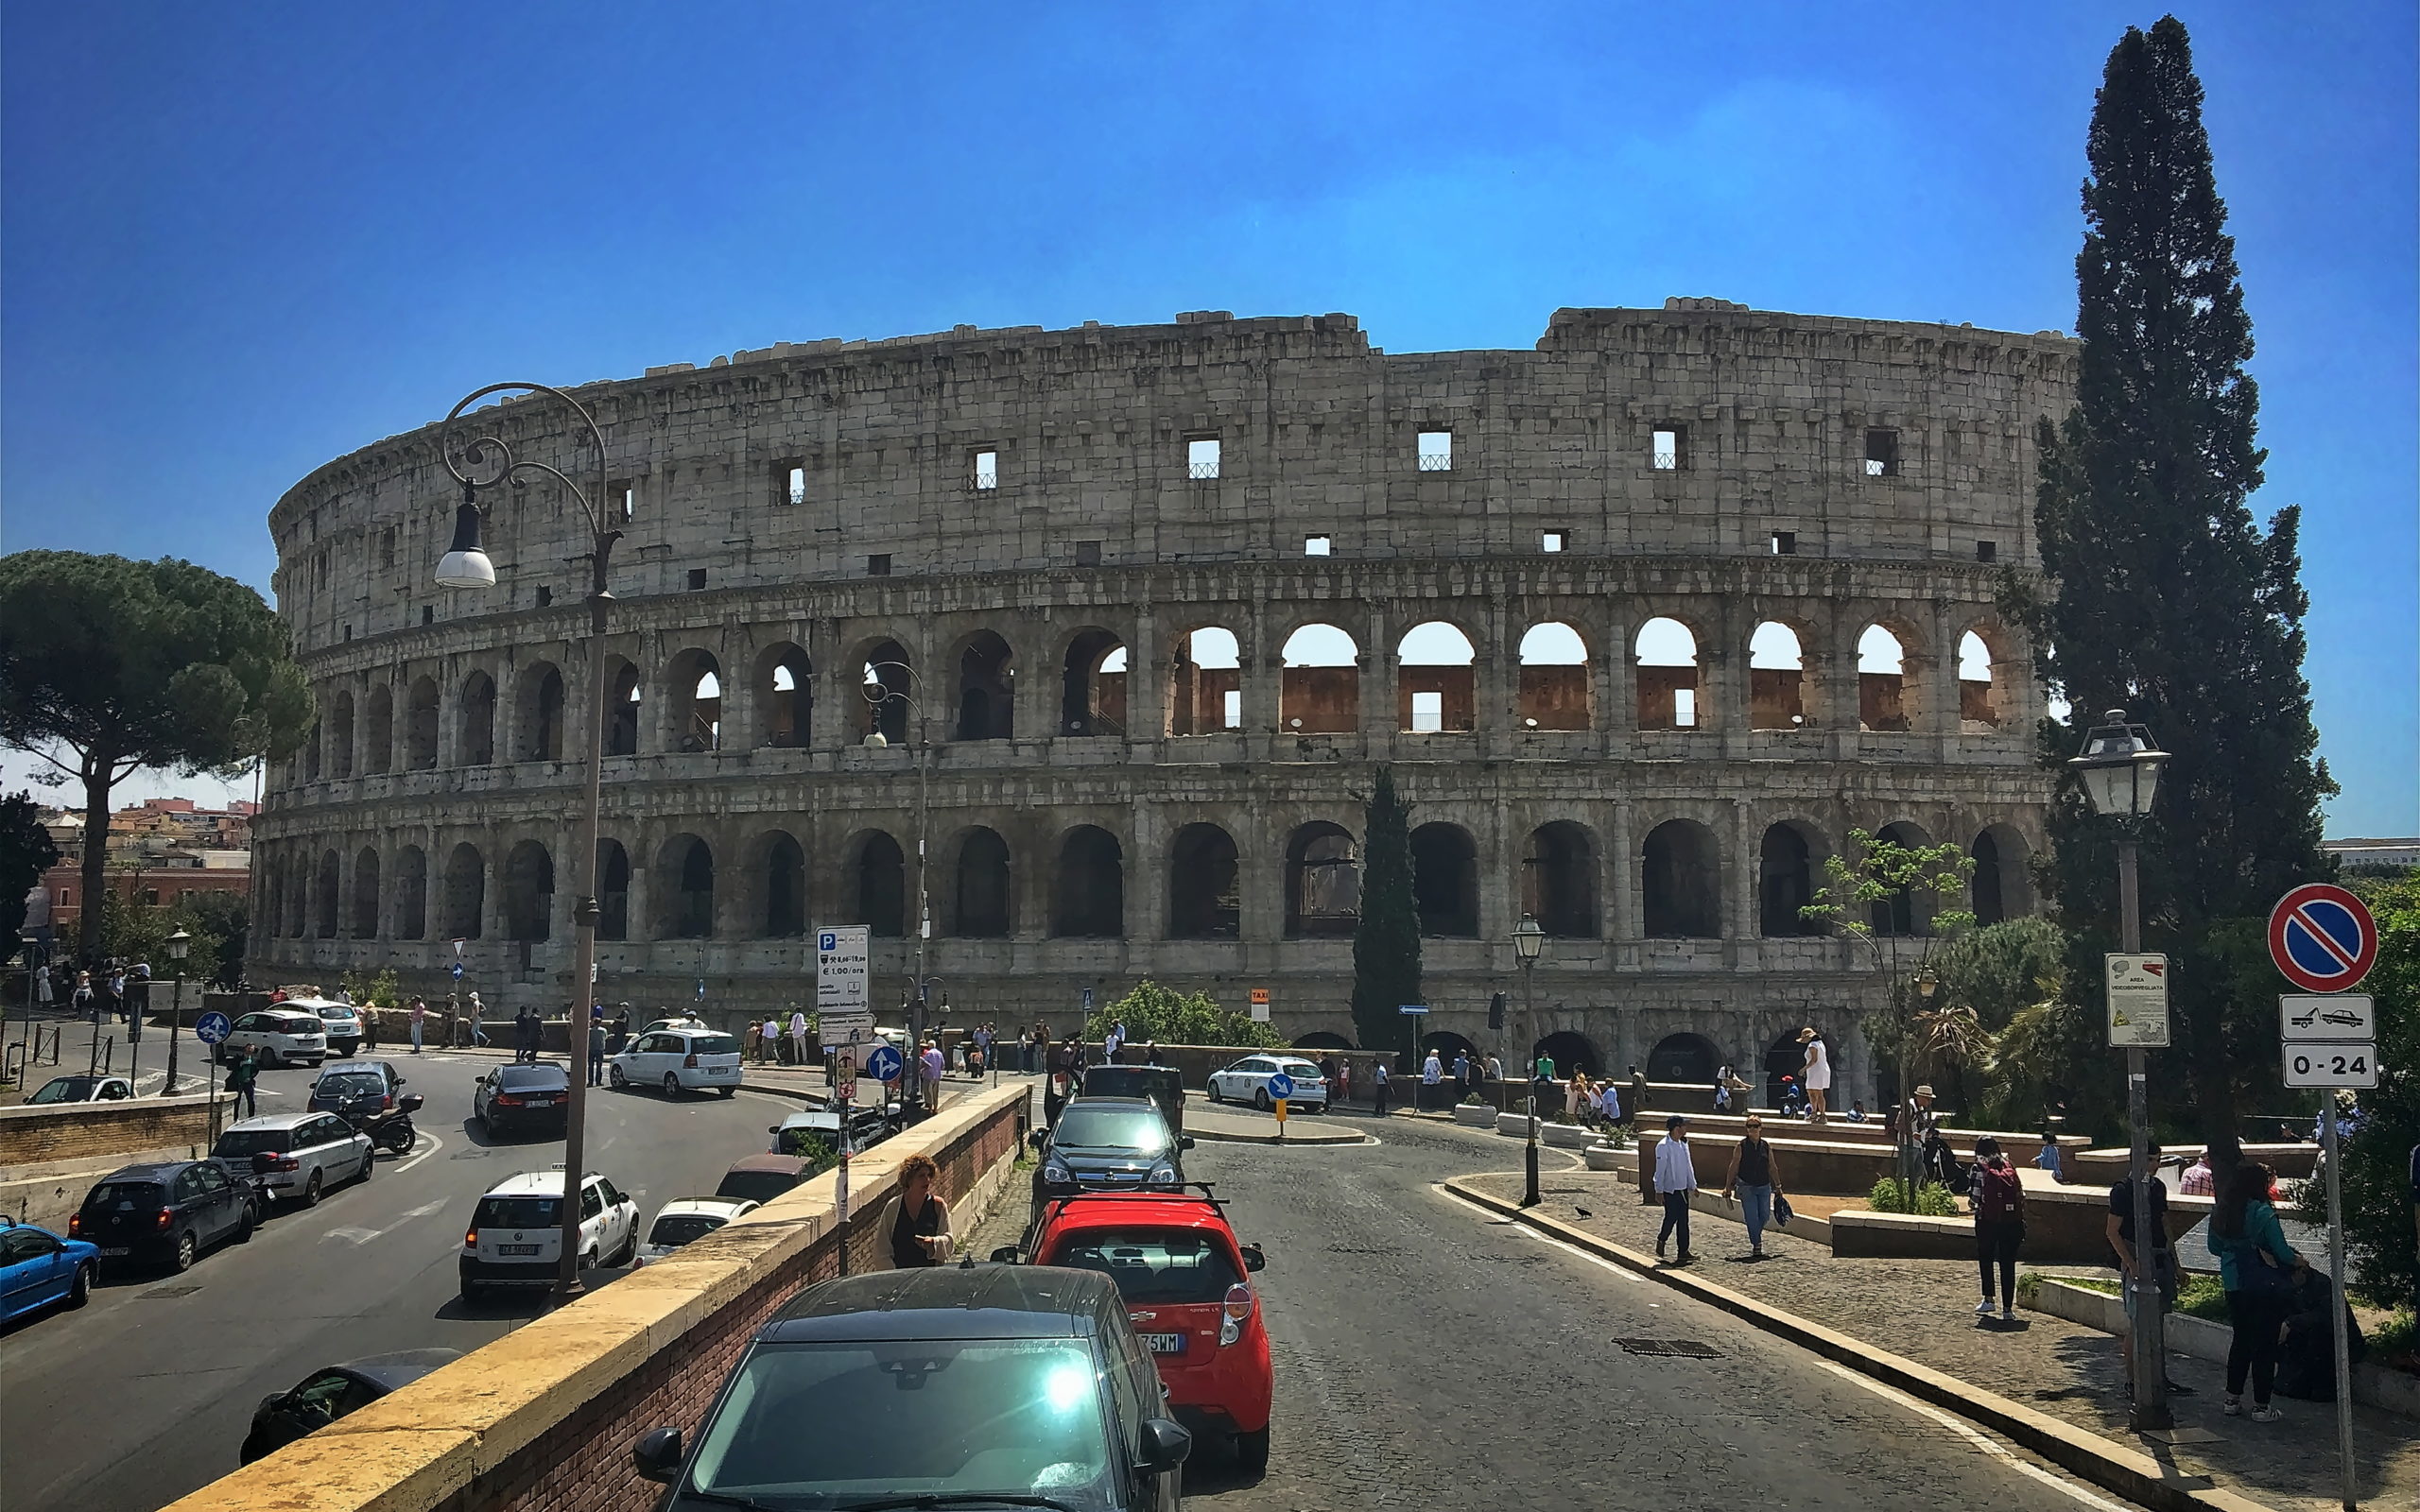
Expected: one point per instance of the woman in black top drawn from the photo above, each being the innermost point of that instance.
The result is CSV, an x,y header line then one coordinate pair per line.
x,y
1754,1175
919,1222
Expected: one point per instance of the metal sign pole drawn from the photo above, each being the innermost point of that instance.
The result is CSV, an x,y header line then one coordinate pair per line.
x,y
2336,1289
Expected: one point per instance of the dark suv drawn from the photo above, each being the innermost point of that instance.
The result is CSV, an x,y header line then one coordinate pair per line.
x,y
168,1214
1108,1145
980,1385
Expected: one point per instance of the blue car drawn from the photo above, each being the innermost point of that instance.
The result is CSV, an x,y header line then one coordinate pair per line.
x,y
37,1268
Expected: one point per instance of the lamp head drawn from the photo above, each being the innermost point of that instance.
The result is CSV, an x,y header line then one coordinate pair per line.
x,y
2119,767
1527,938
466,565
179,943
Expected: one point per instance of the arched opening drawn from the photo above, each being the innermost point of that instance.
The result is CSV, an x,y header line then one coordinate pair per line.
x,y
311,750
365,894
1203,903
1666,655
622,708
324,896
1445,881
1979,704
2003,885
980,901
986,689
411,893
696,683
784,884
879,886
378,731
529,892
1898,913
478,719
1570,1052
1559,880
612,890
466,892
340,738
1318,687
887,682
1680,882
1786,1057
540,716
1448,1044
1784,883
1089,900
1205,685
785,688
1092,699
1435,686
1323,882
1556,692
1776,679
1881,680
1688,1059
683,885
1321,1040
419,726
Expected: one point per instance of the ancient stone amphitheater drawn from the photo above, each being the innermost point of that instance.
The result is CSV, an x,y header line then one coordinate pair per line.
x,y
1645,621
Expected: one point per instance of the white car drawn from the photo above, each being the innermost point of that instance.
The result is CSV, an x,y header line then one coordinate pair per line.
x,y
515,1238
84,1089
690,1218
298,1156
340,1021
283,1036
677,1061
1247,1081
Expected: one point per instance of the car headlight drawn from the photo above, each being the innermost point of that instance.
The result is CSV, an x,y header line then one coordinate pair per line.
x,y
1162,1172
1056,1175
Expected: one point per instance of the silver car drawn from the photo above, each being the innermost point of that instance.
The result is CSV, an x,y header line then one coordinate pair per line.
x,y
298,1156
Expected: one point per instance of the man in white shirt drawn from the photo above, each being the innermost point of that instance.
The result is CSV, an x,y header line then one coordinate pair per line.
x,y
798,1035
769,1041
1676,1176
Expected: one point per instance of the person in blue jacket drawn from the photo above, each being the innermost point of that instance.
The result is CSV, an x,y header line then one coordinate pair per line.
x,y
2260,1270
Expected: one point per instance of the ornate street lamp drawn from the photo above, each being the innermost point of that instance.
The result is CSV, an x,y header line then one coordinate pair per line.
x,y
179,943
879,689
1528,940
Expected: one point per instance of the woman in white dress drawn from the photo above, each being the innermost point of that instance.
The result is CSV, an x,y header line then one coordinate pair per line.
x,y
1816,1075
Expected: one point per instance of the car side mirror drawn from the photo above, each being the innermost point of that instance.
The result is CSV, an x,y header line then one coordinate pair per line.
x,y
1184,1142
1254,1259
773,1128
1004,1255
657,1454
1164,1445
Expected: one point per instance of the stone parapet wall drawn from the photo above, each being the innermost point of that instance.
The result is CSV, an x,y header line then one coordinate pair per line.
x,y
33,1136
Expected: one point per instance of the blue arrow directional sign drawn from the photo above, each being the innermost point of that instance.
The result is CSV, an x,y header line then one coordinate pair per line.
x,y
457,970
1281,1085
211,1027
884,1063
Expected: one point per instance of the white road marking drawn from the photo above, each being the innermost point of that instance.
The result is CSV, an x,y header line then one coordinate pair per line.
x,y
435,1144
354,1235
1968,1432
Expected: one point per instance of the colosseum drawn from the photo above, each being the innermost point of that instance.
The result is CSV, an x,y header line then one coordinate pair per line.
x,y
1644,620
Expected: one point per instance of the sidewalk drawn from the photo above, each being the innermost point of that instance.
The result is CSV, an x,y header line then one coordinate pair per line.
x,y
1923,1309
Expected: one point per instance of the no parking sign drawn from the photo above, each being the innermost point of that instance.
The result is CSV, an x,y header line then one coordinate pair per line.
x,y
2323,938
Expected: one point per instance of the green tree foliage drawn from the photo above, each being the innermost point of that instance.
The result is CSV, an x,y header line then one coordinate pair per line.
x,y
1163,1016
131,931
27,851
382,987
109,665
2377,1192
2169,602
1997,970
1386,942
228,918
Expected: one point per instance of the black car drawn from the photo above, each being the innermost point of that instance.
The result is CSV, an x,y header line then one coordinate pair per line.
x,y
325,1396
1108,1145
1163,1085
168,1214
975,1385
358,1090
523,1095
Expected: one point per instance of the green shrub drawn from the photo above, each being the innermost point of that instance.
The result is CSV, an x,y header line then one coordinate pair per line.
x,y
1154,1014
1931,1199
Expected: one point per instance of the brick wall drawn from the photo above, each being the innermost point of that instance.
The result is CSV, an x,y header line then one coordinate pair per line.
x,y
32,1135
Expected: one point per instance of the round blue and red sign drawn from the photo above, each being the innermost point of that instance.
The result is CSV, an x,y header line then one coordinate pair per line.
x,y
2323,938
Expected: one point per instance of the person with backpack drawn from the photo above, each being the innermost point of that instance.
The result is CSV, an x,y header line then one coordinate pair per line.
x,y
2260,1271
1999,1224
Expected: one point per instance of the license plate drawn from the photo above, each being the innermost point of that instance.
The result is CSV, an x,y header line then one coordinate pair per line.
x,y
541,1102
117,1252
516,1250
1164,1343
723,1070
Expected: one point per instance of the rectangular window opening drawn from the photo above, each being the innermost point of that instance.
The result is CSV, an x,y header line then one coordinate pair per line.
x,y
347,633
1319,545
1685,708
546,595
1201,457
986,470
428,613
1087,553
1552,541
1427,712
1785,542
697,580
1230,709
1987,551
625,498
1436,450
387,549
794,484
878,566
1665,447
1881,453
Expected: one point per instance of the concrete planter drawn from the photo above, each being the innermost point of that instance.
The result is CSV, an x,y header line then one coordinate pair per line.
x,y
1566,1136
1515,1124
1474,1115
1606,1157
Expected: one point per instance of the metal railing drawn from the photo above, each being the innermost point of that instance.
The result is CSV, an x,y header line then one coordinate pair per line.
x,y
1201,472
1436,461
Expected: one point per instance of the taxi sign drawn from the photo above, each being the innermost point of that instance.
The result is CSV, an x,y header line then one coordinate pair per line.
x,y
2322,937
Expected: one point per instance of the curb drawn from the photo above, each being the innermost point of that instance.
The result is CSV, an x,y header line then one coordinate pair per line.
x,y
2104,1462
1209,1138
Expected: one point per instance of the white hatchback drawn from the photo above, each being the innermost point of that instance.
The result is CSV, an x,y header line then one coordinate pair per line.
x,y
678,1061
680,1222
515,1238
282,1036
1247,1081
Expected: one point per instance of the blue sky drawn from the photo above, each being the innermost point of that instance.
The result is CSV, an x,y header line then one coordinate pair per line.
x,y
236,241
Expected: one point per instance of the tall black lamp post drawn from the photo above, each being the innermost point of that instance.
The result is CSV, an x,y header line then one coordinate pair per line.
x,y
486,462
179,943
2119,769
1528,940
879,689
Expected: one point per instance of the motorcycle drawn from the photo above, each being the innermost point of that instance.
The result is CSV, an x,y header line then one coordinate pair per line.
x,y
389,1128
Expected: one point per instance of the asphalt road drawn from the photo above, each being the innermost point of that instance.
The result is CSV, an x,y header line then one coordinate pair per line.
x,y
146,1393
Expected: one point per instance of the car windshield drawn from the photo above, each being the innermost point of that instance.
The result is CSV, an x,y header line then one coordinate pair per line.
x,y
292,1025
518,1212
756,1186
714,1045
65,1089
1139,1129
243,1144
352,1084
677,1228
1167,1266
957,1419
122,1196
530,1078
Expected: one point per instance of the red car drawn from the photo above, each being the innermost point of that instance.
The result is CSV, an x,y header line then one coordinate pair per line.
x,y
1179,1267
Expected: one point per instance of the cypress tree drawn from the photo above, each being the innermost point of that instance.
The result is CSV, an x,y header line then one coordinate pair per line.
x,y
2169,602
1386,940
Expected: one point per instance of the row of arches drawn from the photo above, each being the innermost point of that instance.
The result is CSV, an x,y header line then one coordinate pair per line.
x,y
762,890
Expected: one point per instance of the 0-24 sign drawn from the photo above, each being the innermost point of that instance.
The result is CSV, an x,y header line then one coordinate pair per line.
x,y
2336,1065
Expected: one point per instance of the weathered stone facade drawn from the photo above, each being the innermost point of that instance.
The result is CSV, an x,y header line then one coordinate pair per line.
x,y
1029,521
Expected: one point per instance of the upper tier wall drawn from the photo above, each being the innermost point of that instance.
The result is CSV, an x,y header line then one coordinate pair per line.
x,y
1318,435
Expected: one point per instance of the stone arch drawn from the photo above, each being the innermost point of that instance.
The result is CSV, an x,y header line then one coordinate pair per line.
x,y
1785,866
1445,881
886,684
1436,681
779,869
1092,696
877,885
411,893
1680,882
1665,658
420,725
1319,685
1557,692
311,754
1323,881
1776,676
2003,881
1204,901
1901,913
1321,1040
624,704
477,740
1205,682
539,717
1979,684
986,688
464,905
682,887
693,685
378,729
1786,1056
1447,1044
325,896
1882,692
1570,1051
786,693
1088,895
529,892
340,736
1559,880
1689,1058
365,893
982,904
613,890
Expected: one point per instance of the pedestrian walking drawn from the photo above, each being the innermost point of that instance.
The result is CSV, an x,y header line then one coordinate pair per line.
x,y
2142,1266
919,1224
479,1025
1379,1083
1432,1071
798,1037
41,986
1638,1094
85,1003
1754,1180
2196,1180
597,1045
1676,1177
1342,1082
1999,1225
450,1009
420,1019
241,1078
117,993
768,1040
620,1034
1815,1075
933,1066
2260,1272
526,1032
1461,1074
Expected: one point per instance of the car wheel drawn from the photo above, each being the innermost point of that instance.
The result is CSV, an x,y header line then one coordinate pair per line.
x,y
728,1091
630,1251
245,1225
80,1291
671,1084
588,1261
368,1163
614,1075
472,1294
1251,1452
311,1191
1214,1091
1261,1100
188,1250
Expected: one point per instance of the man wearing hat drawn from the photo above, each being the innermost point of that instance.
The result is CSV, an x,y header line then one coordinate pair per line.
x,y
1676,1177
1815,1075
1917,1120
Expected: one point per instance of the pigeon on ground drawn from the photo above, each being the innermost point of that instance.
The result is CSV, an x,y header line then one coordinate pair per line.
x,y
1583,1212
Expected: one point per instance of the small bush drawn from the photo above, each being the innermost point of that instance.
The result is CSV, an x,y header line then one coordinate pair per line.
x,y
1931,1199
